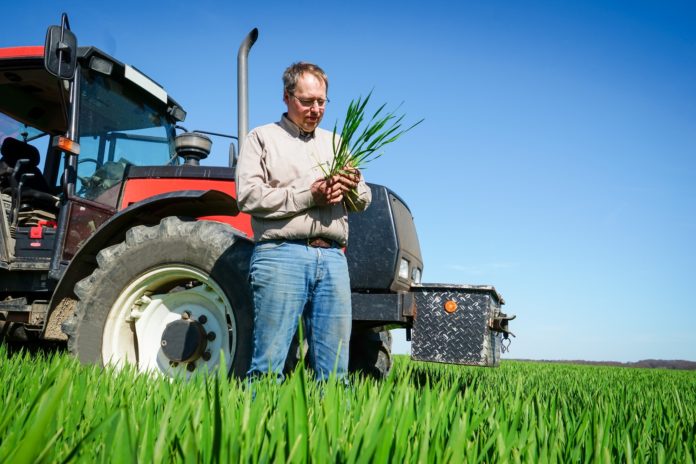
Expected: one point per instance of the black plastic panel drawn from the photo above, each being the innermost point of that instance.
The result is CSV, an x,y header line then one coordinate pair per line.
x,y
378,238
372,244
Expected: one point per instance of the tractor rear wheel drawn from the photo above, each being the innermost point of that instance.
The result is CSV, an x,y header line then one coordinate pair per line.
x,y
370,352
172,298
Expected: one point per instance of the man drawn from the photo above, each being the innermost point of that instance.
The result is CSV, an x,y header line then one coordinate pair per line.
x,y
300,223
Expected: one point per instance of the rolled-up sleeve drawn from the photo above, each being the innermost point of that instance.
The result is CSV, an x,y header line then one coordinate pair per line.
x,y
360,198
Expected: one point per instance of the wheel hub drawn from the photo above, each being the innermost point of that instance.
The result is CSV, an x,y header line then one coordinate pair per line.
x,y
184,340
176,332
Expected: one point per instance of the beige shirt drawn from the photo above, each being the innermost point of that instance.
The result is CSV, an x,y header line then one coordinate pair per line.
x,y
277,165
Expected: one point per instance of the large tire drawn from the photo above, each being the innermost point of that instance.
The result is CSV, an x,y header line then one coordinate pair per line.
x,y
188,277
370,352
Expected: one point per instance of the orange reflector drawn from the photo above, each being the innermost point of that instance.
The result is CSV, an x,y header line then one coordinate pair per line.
x,y
450,306
66,144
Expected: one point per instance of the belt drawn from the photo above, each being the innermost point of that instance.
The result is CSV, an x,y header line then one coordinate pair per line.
x,y
319,242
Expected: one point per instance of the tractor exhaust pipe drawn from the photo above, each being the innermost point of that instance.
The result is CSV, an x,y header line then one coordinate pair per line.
x,y
243,85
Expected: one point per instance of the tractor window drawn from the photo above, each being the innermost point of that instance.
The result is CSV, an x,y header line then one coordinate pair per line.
x,y
120,125
9,128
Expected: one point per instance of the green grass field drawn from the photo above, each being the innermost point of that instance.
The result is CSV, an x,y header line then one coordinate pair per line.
x,y
55,410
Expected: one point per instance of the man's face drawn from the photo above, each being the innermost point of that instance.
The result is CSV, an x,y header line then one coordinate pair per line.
x,y
303,105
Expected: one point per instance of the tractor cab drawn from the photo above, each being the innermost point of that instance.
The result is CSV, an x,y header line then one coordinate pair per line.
x,y
91,161
66,142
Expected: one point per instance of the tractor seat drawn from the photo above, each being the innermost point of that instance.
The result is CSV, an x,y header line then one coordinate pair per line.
x,y
35,195
13,150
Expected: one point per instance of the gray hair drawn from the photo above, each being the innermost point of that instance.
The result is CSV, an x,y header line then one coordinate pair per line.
x,y
295,70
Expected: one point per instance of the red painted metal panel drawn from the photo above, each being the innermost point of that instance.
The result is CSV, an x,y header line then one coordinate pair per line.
x,y
22,52
139,189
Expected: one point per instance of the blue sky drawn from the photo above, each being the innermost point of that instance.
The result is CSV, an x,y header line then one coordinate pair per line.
x,y
557,157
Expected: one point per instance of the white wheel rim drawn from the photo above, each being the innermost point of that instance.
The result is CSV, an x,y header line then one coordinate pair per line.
x,y
133,329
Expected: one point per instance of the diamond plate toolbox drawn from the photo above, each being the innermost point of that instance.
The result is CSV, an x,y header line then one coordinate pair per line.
x,y
453,324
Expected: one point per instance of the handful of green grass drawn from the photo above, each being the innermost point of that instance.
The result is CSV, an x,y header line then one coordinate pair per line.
x,y
360,140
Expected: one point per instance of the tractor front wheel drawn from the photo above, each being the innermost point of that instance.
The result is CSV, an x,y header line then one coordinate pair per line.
x,y
370,351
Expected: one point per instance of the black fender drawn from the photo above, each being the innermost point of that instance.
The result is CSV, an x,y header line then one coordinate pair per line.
x,y
183,204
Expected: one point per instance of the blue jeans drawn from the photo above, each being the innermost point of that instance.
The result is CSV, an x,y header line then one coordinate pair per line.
x,y
290,279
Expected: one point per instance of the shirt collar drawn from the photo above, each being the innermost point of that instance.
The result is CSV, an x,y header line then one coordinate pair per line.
x,y
293,129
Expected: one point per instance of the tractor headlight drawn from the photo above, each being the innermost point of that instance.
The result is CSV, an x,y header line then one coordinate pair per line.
x,y
403,269
416,275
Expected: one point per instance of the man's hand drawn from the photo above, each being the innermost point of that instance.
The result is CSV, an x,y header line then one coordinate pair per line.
x,y
326,192
349,177
331,191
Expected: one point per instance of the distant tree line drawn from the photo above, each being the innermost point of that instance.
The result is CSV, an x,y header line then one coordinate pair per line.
x,y
679,364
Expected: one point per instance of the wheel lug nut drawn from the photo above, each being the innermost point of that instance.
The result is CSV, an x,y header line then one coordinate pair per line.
x,y
211,336
206,356
186,315
164,343
191,367
202,319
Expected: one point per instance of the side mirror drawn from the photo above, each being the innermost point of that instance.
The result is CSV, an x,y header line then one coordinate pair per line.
x,y
60,52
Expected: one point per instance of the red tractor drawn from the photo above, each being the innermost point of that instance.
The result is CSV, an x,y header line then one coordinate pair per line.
x,y
114,237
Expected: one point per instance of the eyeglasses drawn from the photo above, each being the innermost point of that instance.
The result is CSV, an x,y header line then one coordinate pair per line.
x,y
310,102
